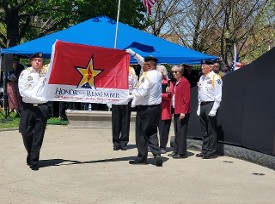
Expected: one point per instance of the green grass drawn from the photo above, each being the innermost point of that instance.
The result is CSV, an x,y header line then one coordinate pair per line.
x,y
57,121
12,121
9,121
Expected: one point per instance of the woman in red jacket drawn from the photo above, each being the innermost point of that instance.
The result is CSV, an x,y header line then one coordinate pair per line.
x,y
181,105
166,115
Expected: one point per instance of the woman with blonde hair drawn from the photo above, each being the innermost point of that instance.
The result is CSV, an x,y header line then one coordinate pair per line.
x,y
166,114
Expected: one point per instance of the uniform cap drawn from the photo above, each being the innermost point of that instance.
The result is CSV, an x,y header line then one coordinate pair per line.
x,y
207,62
37,55
150,58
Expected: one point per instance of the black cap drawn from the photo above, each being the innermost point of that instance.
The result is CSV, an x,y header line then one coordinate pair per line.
x,y
207,62
37,55
150,58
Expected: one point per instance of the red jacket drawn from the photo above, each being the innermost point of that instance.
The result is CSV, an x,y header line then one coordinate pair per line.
x,y
166,103
182,96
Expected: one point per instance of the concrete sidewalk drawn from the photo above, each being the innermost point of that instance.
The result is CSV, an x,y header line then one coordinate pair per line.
x,y
80,166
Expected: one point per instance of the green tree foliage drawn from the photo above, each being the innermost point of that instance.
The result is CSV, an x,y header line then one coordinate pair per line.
x,y
24,20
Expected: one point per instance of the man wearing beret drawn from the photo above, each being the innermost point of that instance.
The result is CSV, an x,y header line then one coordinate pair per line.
x,y
147,97
209,98
34,108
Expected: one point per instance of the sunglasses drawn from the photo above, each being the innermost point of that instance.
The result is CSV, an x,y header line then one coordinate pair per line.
x,y
175,72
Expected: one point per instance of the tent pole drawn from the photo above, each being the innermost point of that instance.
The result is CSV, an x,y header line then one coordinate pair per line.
x,y
117,21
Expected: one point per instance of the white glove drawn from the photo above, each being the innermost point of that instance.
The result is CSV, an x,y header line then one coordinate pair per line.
x,y
130,97
199,110
131,52
133,104
212,113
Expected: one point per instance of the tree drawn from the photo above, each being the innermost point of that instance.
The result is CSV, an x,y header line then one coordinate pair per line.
x,y
215,26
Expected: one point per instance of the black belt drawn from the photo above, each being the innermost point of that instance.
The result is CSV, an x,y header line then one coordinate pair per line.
x,y
206,102
34,104
38,104
150,106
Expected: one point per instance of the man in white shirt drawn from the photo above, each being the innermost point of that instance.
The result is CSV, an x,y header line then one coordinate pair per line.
x,y
147,97
209,98
34,112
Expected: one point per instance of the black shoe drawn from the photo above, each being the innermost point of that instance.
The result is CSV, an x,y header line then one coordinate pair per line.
x,y
116,148
159,161
34,167
123,148
172,154
199,155
135,162
179,156
162,150
210,156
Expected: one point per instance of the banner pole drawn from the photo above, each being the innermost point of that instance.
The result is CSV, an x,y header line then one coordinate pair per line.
x,y
117,21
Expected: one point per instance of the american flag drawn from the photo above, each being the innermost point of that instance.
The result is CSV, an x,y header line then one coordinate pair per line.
x,y
148,5
236,64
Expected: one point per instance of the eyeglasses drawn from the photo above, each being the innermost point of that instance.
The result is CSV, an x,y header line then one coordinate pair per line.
x,y
175,72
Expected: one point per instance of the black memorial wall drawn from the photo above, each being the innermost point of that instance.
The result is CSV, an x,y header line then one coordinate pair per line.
x,y
247,113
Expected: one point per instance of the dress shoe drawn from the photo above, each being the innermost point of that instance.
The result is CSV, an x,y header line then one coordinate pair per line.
x,y
116,148
159,161
179,156
172,154
199,155
34,167
210,156
123,148
162,151
135,162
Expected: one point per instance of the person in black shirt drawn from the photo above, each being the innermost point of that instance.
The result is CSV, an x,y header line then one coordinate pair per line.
x,y
191,75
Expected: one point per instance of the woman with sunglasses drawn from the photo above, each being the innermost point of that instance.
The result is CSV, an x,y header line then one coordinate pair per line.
x,y
181,107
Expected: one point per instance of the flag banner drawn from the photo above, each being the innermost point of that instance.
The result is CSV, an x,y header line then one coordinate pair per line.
x,y
82,73
236,64
148,5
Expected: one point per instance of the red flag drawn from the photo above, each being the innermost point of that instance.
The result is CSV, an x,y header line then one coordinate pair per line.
x,y
87,74
148,5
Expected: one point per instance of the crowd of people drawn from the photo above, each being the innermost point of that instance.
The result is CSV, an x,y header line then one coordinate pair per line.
x,y
157,98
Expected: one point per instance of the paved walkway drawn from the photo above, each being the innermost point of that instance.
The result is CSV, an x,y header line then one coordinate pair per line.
x,y
79,166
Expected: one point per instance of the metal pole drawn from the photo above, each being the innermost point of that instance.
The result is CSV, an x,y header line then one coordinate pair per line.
x,y
117,21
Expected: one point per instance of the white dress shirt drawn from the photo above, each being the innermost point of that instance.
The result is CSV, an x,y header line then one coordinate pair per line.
x,y
132,79
31,83
210,89
149,88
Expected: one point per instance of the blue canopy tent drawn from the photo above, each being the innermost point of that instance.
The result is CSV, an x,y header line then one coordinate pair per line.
x,y
100,31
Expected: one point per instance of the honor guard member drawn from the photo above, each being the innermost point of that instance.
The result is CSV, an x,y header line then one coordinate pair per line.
x,y
209,99
34,108
121,115
147,97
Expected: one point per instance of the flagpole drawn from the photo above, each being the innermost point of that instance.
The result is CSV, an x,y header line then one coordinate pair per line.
x,y
117,21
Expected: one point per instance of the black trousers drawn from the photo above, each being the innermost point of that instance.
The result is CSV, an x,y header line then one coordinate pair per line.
x,y
164,128
147,121
32,127
121,116
208,130
180,127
